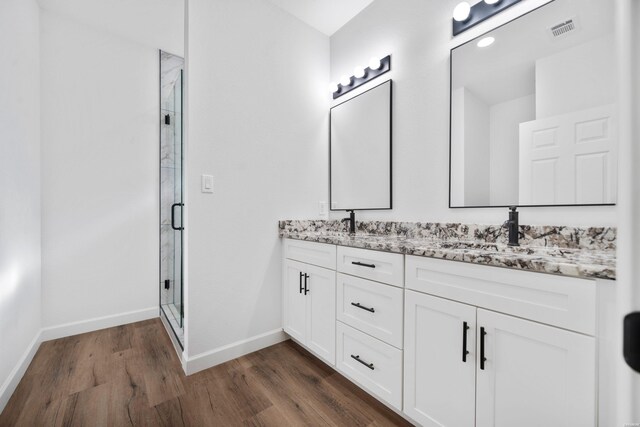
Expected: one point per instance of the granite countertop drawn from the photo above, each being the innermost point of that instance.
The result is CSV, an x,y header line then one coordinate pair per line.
x,y
554,250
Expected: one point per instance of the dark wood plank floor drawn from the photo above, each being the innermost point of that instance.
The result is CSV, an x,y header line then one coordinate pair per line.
x,y
130,375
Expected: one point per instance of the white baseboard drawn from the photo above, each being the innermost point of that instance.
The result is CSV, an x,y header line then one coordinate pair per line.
x,y
16,375
223,354
95,324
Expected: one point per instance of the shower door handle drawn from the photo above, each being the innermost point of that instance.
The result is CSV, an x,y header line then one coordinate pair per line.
x,y
173,216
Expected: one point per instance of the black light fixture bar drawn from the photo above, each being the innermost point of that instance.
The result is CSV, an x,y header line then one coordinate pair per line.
x,y
479,12
369,74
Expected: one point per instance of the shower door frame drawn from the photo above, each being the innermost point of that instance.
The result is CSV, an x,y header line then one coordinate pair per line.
x,y
181,203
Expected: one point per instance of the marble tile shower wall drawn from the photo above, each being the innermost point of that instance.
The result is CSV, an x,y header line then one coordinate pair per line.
x,y
590,238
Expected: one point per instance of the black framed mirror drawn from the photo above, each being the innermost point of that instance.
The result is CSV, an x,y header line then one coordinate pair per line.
x,y
360,143
533,111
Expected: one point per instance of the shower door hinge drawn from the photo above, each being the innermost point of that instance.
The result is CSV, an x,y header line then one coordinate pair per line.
x,y
167,119
167,284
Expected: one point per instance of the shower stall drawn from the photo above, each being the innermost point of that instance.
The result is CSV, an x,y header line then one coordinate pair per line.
x,y
171,192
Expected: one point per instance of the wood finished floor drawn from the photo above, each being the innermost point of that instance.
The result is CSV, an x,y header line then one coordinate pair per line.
x,y
130,375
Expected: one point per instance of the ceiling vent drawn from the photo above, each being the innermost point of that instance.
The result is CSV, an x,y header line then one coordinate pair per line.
x,y
564,28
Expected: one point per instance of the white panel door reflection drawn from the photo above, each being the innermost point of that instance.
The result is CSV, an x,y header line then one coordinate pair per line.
x,y
569,158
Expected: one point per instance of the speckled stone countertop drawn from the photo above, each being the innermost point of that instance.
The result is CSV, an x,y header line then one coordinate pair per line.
x,y
569,251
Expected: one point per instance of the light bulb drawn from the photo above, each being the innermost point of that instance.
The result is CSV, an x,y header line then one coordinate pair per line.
x,y
333,87
358,72
345,80
462,11
492,1
487,41
375,63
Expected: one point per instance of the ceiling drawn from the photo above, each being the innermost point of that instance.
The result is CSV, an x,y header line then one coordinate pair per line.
x,y
506,69
327,16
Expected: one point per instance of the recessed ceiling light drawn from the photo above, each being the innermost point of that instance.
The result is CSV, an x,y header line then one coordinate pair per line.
x,y
487,41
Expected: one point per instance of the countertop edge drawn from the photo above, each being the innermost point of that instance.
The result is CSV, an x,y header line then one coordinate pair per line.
x,y
537,264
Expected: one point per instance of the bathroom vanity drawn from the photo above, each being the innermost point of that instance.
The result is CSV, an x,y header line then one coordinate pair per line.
x,y
423,317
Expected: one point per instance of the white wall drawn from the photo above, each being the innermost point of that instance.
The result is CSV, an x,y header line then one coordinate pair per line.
x,y
505,119
100,180
561,79
20,295
476,150
258,121
417,34
457,147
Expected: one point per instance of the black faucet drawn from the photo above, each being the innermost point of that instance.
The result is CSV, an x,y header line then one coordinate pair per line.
x,y
352,222
514,227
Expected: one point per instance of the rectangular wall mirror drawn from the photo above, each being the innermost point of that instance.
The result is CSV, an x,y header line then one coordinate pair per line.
x,y
533,114
360,151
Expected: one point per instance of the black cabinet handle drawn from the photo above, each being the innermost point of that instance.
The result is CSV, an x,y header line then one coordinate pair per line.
x,y
465,328
173,216
300,291
362,264
368,365
306,289
357,304
482,358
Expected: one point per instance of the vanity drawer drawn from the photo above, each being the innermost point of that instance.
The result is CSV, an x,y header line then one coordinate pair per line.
x,y
372,364
567,302
320,254
371,307
382,267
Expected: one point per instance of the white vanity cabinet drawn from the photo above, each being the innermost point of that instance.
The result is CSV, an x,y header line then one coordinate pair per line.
x,y
516,372
448,343
310,299
440,376
370,315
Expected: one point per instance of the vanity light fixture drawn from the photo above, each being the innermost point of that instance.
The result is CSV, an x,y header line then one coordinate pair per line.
x,y
376,68
487,41
465,16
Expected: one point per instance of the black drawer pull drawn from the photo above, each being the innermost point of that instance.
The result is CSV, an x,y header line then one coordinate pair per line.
x,y
300,291
362,264
482,358
306,288
465,328
357,304
368,365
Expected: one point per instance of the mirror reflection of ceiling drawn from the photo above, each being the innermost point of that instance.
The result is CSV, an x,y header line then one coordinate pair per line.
x,y
499,75
326,16
155,23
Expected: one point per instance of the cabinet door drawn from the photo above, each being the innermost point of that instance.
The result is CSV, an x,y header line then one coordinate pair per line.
x,y
295,302
321,316
439,387
534,375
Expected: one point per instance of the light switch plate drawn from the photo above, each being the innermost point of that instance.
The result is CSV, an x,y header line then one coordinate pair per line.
x,y
323,209
207,183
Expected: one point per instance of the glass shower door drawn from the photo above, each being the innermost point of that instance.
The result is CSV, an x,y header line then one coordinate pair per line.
x,y
171,192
